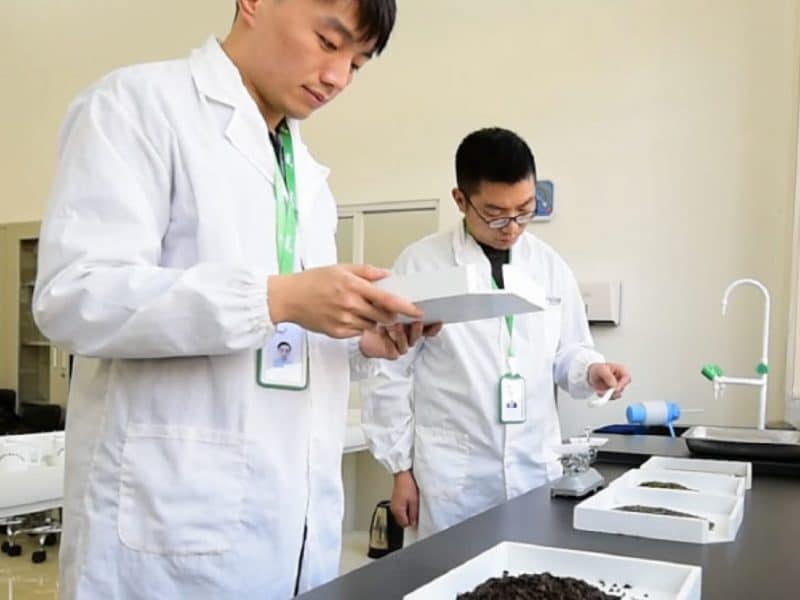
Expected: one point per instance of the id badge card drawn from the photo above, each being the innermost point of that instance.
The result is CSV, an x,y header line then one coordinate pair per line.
x,y
512,398
283,361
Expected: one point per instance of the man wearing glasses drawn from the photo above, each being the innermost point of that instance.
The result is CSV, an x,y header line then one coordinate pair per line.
x,y
435,417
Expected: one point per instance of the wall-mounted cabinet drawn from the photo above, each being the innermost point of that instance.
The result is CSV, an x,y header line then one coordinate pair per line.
x,y
37,370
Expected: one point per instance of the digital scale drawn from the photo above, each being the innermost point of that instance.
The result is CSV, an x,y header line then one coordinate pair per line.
x,y
580,478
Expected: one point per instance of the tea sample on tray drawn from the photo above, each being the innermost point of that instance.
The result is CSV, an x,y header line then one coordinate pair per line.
x,y
657,510
666,485
538,586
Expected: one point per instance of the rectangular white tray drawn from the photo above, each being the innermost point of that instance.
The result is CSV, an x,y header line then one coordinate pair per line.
x,y
34,489
598,513
38,485
704,465
704,483
457,294
659,580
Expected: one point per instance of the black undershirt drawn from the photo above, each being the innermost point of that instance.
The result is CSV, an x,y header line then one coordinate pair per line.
x,y
277,146
497,258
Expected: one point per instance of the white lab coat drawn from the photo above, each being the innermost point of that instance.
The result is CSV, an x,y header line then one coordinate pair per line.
x,y
184,479
436,409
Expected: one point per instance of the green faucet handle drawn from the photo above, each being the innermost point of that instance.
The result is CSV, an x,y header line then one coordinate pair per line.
x,y
762,368
711,372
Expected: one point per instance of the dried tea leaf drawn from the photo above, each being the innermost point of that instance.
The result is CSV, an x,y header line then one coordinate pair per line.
x,y
666,485
539,586
658,510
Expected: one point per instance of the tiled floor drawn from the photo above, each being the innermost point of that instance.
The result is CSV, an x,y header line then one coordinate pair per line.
x,y
354,551
20,579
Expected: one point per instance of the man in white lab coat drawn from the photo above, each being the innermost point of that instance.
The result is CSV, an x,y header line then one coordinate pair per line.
x,y
186,220
435,418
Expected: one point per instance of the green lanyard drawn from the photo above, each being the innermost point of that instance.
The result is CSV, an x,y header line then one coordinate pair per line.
x,y
510,324
285,203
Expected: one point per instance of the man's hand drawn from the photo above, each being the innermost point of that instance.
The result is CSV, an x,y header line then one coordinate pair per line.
x,y
604,376
405,499
393,341
339,301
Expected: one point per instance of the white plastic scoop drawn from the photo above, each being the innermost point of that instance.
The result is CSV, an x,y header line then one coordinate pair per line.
x,y
601,400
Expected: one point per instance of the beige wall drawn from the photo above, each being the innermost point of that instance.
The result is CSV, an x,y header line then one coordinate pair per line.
x,y
669,128
51,50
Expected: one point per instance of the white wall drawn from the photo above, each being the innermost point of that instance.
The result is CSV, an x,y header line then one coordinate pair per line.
x,y
669,128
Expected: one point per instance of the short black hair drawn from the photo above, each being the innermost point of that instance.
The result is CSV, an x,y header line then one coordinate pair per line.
x,y
375,20
287,344
492,154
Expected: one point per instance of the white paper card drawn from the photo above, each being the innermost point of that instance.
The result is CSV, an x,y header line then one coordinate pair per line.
x,y
457,294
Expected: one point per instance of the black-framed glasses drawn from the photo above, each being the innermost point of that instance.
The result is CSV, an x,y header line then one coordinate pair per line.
x,y
500,222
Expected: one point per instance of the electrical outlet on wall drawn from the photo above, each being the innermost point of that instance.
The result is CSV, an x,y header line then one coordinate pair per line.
x,y
544,200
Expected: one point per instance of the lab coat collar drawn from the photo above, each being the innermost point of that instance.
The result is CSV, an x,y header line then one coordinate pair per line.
x,y
219,80
215,75
467,251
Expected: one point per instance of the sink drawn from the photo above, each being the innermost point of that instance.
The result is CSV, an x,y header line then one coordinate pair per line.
x,y
744,443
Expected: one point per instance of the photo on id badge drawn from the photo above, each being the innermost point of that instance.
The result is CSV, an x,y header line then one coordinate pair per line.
x,y
283,361
512,399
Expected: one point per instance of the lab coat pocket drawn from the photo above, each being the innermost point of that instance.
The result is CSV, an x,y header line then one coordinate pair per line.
x,y
181,489
440,461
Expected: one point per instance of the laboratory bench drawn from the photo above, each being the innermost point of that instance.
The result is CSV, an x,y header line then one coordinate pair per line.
x,y
762,563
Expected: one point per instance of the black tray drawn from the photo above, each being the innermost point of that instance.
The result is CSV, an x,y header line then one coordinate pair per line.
x,y
742,443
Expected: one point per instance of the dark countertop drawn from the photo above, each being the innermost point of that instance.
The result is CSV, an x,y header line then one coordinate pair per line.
x,y
762,563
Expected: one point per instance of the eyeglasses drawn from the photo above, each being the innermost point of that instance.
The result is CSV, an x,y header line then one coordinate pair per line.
x,y
500,222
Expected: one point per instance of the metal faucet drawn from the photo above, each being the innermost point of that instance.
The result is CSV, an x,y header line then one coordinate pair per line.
x,y
714,372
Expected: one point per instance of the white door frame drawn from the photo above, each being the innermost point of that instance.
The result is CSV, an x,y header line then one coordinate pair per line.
x,y
357,212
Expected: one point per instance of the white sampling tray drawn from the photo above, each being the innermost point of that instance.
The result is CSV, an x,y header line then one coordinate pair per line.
x,y
599,513
704,483
653,580
31,473
744,470
457,294
33,490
